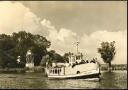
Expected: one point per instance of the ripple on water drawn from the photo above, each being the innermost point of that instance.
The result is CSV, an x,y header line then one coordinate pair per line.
x,y
38,80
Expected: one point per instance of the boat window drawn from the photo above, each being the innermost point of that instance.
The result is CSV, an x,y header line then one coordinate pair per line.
x,y
51,71
55,71
58,71
78,72
82,62
73,65
87,61
92,61
77,57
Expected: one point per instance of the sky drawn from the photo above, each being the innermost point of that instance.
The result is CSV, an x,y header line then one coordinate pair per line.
x,y
66,22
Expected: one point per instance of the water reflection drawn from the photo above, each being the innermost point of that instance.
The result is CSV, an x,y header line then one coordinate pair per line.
x,y
108,80
114,80
38,80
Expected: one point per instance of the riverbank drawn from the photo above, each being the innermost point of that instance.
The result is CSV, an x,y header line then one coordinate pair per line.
x,y
12,70
21,70
115,67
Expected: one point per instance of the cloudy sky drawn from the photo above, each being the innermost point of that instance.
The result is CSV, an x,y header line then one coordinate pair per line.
x,y
65,22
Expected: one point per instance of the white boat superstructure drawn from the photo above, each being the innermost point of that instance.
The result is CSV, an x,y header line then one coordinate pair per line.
x,y
75,68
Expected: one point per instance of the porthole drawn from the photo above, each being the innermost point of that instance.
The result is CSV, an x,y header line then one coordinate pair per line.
x,y
78,72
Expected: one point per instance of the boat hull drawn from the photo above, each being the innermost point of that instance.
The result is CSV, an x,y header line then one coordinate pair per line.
x,y
94,74
76,77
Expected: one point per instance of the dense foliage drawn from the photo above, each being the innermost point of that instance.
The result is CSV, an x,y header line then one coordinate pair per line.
x,y
18,44
52,56
107,52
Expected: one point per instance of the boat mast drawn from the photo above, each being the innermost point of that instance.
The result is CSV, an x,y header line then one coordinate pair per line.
x,y
77,44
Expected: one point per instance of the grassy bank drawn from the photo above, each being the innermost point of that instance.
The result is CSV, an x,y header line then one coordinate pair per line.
x,y
21,70
104,67
42,69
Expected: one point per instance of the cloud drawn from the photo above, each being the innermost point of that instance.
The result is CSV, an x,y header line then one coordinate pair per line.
x,y
47,24
90,43
63,40
15,17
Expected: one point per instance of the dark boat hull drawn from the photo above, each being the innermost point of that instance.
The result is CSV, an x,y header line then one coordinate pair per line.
x,y
96,75
85,76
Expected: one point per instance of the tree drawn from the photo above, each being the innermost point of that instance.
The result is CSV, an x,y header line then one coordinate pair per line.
x,y
39,48
45,59
66,55
107,52
37,43
6,51
55,57
18,44
23,41
51,57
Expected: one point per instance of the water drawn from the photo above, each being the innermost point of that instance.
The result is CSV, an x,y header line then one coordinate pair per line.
x,y
117,79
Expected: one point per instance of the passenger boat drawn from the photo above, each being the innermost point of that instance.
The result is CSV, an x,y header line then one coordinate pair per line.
x,y
75,68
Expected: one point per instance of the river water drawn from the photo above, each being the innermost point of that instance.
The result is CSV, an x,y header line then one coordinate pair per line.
x,y
116,79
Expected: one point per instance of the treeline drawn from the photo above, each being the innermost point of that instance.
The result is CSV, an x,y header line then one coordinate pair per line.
x,y
17,44
104,67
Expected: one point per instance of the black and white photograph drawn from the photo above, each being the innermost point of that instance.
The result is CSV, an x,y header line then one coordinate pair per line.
x,y
63,44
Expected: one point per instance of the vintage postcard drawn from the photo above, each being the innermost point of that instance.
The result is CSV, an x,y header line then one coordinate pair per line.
x,y
63,44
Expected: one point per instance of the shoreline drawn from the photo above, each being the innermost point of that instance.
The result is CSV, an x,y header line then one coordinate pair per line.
x,y
35,70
